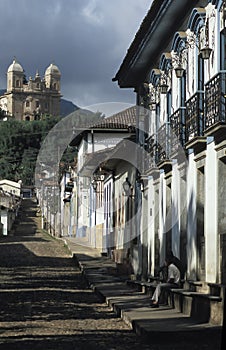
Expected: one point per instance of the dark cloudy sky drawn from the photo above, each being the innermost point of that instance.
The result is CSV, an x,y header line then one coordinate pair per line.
x,y
86,39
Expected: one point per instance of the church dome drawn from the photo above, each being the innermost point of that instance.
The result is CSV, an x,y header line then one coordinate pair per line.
x,y
52,69
15,67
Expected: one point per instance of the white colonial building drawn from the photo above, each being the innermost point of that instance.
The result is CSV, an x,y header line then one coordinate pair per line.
x,y
96,180
161,187
177,69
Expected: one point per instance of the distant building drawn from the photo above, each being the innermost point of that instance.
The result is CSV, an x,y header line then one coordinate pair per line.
x,y
11,187
10,198
29,100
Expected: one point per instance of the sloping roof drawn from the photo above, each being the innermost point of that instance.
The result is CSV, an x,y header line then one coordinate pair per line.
x,y
120,120
124,121
93,160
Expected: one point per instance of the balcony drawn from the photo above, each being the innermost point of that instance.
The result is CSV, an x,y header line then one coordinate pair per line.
x,y
150,167
194,122
177,126
163,154
215,106
215,100
195,115
161,148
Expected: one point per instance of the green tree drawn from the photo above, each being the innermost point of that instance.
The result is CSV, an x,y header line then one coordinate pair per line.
x,y
20,142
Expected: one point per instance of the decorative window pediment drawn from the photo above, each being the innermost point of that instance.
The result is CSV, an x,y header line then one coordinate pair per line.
x,y
197,19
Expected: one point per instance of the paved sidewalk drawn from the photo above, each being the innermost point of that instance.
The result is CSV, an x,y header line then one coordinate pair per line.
x,y
162,325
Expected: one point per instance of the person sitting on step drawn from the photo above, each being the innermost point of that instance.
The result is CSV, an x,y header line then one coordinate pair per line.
x,y
178,263
173,281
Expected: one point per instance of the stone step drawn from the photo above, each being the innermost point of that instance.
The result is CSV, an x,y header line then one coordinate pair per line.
x,y
143,286
200,301
200,306
157,324
164,326
217,289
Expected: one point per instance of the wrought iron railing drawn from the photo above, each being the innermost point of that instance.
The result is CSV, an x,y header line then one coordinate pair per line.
x,y
150,153
163,143
177,128
194,116
215,102
202,110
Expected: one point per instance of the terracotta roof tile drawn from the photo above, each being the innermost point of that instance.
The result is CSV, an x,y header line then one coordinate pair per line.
x,y
121,120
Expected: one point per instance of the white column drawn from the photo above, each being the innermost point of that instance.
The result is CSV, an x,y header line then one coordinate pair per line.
x,y
191,223
162,215
175,209
211,212
4,221
151,227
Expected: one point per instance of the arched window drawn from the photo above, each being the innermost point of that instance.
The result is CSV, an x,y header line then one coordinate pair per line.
x,y
196,26
169,104
222,39
17,83
166,66
155,107
183,90
200,74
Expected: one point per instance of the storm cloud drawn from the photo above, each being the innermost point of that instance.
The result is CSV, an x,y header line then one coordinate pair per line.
x,y
86,39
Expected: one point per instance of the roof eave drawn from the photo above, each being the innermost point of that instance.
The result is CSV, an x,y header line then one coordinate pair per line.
x,y
153,37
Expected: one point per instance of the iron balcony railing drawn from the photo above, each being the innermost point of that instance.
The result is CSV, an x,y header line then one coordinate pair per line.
x,y
150,153
163,150
177,128
201,111
215,102
158,147
194,116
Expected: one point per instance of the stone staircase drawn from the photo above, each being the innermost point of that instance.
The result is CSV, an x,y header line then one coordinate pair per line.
x,y
201,301
27,220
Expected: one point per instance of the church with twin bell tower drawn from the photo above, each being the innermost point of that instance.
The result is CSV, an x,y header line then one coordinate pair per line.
x,y
33,98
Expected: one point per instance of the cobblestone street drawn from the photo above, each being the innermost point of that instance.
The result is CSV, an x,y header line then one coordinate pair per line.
x,y
45,304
